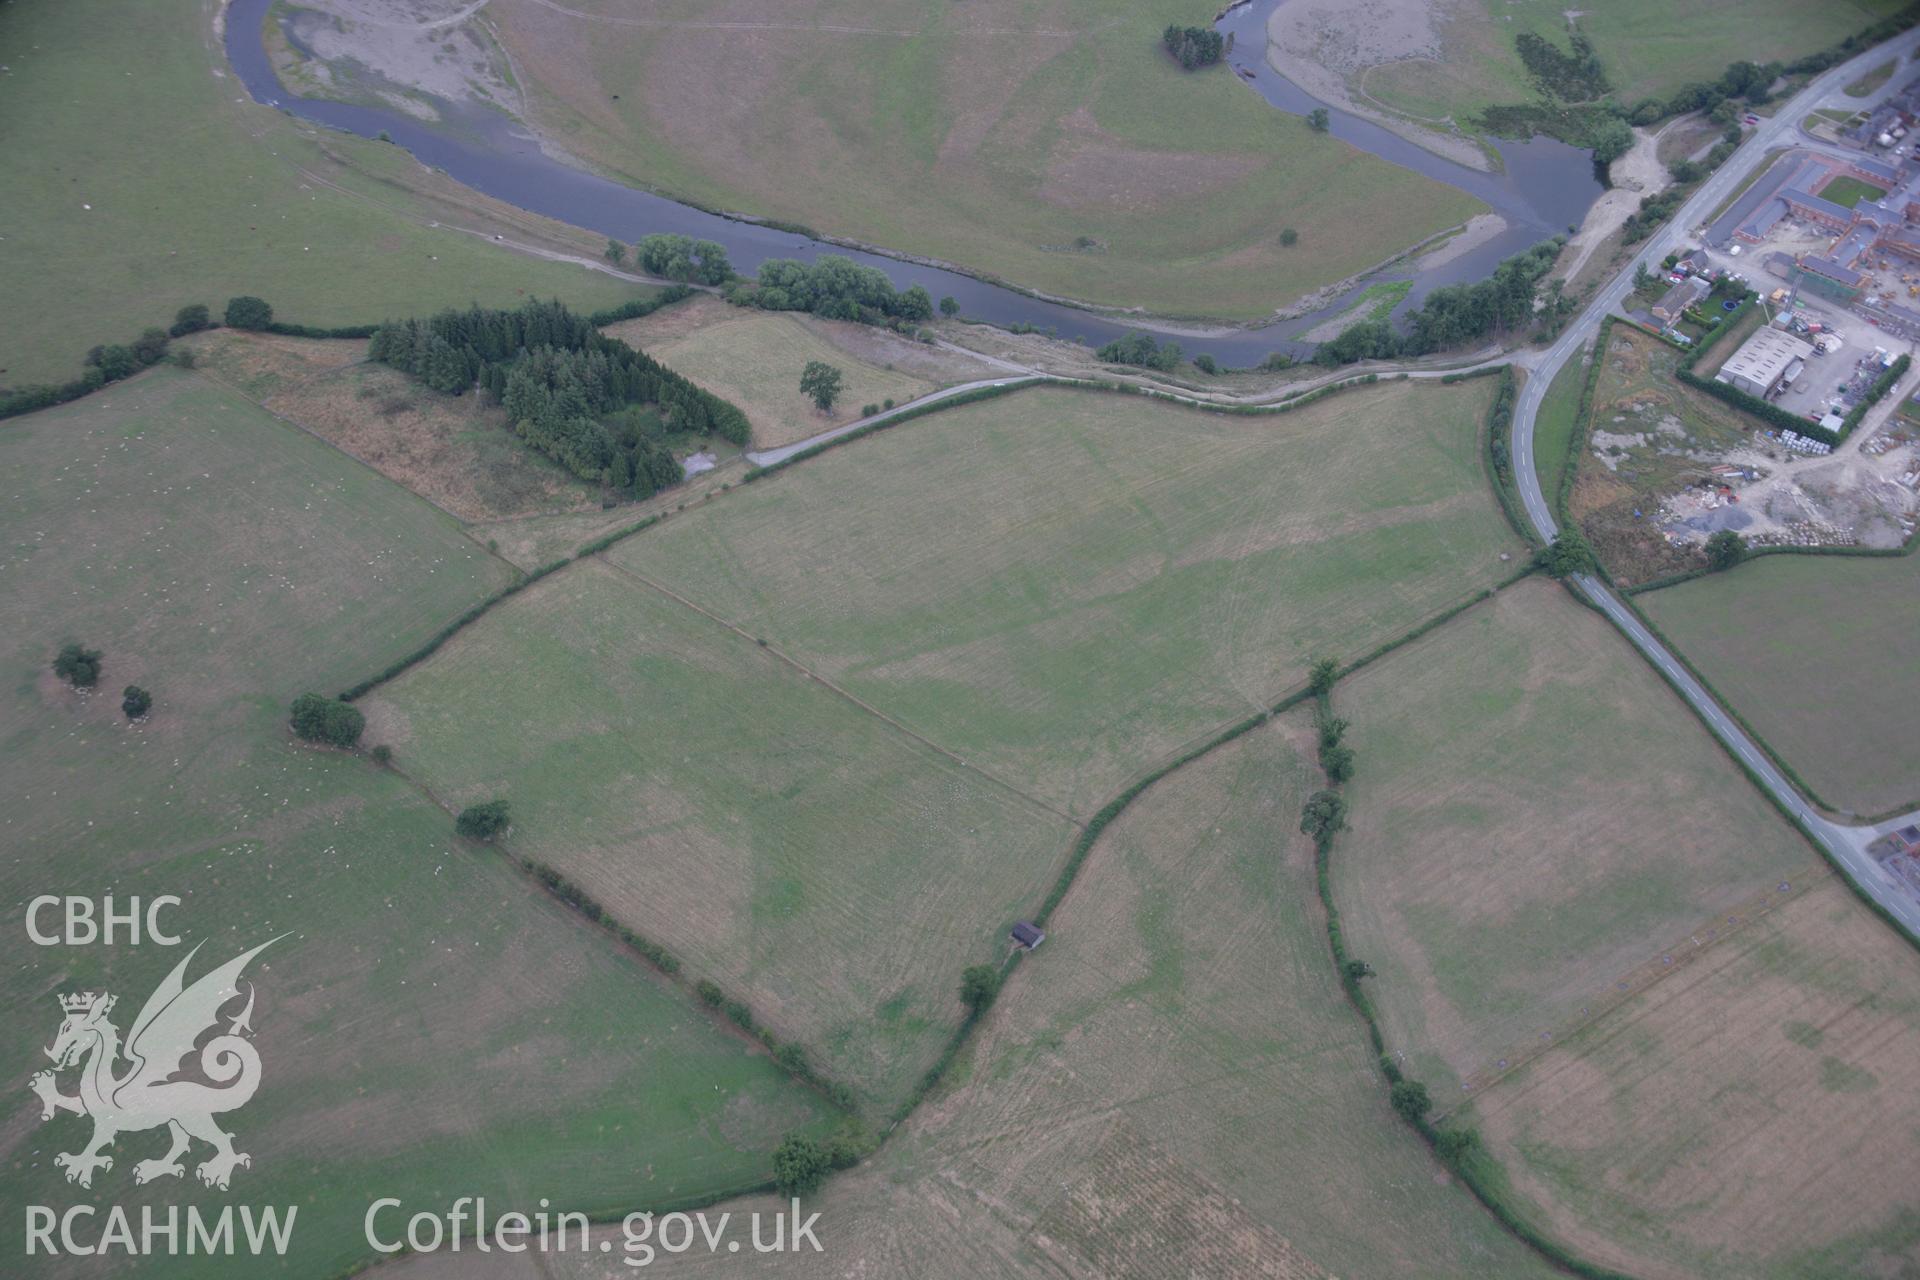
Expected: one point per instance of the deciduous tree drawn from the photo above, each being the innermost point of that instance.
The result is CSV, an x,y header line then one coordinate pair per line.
x,y
821,381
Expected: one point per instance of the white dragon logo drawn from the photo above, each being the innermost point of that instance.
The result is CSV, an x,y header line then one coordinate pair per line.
x,y
148,1095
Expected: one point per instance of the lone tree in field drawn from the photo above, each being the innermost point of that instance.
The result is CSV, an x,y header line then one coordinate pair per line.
x,y
821,381
978,985
77,665
1321,675
135,701
1324,814
949,306
483,821
326,720
616,253
248,312
1725,549
1318,120
1289,237
799,1165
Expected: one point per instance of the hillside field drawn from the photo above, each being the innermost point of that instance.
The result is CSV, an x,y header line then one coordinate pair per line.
x,y
432,1025
1534,815
1172,1085
1053,145
1821,654
814,860
1065,586
1749,1115
191,196
755,358
1648,49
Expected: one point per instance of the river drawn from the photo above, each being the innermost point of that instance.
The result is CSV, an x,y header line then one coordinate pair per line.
x,y
1546,187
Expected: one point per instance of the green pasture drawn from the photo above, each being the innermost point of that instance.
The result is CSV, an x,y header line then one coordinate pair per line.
x,y
431,1024
137,183
1065,586
1056,147
1821,654
815,861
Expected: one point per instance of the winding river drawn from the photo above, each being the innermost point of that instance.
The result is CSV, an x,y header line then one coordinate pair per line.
x,y
1546,187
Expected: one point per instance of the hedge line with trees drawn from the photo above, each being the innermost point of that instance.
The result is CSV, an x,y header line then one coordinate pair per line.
x,y
833,286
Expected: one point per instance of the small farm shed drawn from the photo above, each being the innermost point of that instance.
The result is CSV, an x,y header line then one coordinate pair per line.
x,y
1028,936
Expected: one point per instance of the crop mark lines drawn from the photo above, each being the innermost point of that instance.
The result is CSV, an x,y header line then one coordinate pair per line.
x,y
829,685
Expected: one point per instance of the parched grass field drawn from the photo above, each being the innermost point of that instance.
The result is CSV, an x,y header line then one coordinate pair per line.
x,y
1053,145
432,1025
1750,1115
1534,815
136,183
755,358
456,451
816,861
1821,654
1649,49
1172,1085
1064,586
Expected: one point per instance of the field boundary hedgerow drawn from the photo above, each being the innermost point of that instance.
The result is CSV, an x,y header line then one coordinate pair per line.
x,y
1457,1149
789,1056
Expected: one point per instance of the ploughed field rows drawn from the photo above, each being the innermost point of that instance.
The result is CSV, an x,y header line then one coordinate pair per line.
x,y
1063,587
1172,1085
1534,815
823,865
1057,146
431,1023
1822,656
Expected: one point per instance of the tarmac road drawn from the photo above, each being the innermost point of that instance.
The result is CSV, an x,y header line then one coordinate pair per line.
x,y
1846,843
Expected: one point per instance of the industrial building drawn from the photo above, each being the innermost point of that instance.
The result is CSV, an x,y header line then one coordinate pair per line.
x,y
1765,362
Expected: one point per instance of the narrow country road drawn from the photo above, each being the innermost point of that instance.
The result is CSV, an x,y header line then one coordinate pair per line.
x,y
1847,844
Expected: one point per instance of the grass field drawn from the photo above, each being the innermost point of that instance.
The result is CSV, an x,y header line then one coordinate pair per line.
x,y
1648,49
1850,191
1172,1085
1534,815
1822,656
1056,146
1555,426
1063,586
1867,83
432,1025
811,858
1749,1115
191,196
455,451
754,359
